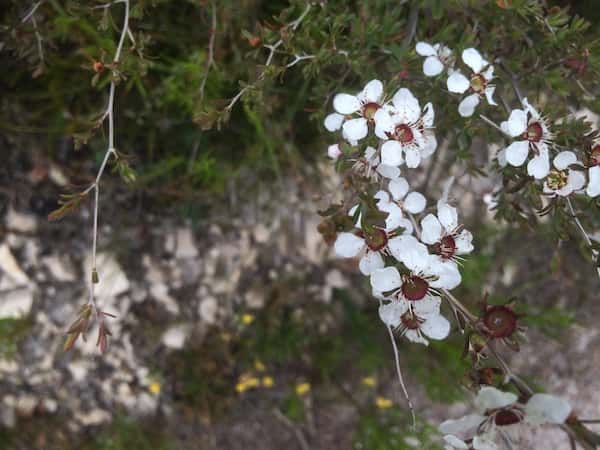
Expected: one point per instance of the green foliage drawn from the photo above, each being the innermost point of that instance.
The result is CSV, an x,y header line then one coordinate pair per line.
x,y
126,434
12,332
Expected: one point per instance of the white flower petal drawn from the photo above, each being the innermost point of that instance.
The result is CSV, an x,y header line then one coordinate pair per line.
x,y
483,442
372,92
463,426
413,157
386,171
464,242
415,203
416,337
408,250
387,279
432,66
431,229
489,95
436,327
516,153
455,442
593,187
466,108
371,262
398,188
491,398
448,216
457,83
448,275
383,123
564,160
425,49
395,218
346,103
473,59
488,73
348,245
516,123
407,105
333,122
391,153
355,129
429,305
576,180
391,313
546,408
430,145
428,115
539,166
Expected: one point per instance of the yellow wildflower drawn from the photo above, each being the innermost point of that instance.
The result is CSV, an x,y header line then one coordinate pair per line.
x,y
154,387
247,319
302,388
259,366
383,403
369,381
267,382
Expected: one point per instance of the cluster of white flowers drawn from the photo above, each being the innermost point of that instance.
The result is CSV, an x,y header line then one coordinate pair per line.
x,y
533,139
501,411
409,264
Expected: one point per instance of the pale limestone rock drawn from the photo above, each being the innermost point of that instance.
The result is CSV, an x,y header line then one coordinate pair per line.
x,y
59,268
24,223
174,338
208,310
94,417
185,246
16,303
10,267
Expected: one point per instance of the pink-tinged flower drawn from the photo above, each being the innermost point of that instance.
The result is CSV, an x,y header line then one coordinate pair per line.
x,y
407,131
354,112
437,58
478,85
416,320
562,180
593,187
447,238
334,152
534,135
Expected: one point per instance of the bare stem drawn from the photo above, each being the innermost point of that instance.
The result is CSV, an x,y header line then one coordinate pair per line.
x,y
210,60
400,378
583,232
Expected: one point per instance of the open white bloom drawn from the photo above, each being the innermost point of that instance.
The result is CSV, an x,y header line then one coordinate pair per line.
x,y
417,319
400,200
593,187
406,130
478,84
534,135
424,272
437,56
334,152
354,112
562,180
545,408
371,246
444,233
370,166
494,408
395,218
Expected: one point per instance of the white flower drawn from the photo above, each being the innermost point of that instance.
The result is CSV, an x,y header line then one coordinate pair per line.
x,y
334,152
424,271
370,166
350,245
395,218
593,187
406,130
415,320
493,407
532,129
477,84
444,233
438,56
544,408
562,180
347,106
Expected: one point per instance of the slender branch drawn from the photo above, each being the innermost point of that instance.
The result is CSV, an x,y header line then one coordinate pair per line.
x,y
210,60
400,378
296,430
32,11
492,124
298,58
38,36
583,232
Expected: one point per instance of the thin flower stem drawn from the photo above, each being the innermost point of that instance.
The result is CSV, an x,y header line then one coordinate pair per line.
x,y
400,378
492,124
109,114
583,232
38,36
210,60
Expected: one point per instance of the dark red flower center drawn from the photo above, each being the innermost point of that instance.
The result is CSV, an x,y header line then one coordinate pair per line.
x,y
369,110
478,83
446,248
500,321
376,239
595,156
404,134
410,321
534,132
506,417
414,288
